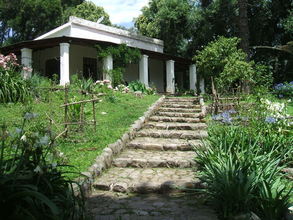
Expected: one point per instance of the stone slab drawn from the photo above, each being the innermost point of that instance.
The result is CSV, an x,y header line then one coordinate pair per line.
x,y
149,143
187,110
176,125
178,105
106,205
153,159
178,134
177,114
147,180
175,119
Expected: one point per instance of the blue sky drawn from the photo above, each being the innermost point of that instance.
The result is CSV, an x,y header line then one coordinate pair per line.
x,y
122,12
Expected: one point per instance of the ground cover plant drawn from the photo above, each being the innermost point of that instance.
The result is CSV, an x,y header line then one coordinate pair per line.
x,y
115,112
242,165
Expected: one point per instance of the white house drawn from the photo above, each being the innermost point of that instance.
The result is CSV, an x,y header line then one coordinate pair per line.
x,y
69,49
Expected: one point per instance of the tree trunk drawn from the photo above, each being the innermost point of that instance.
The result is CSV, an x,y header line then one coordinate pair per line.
x,y
244,35
243,26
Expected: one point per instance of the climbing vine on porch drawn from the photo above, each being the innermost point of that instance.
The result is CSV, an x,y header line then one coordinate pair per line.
x,y
122,56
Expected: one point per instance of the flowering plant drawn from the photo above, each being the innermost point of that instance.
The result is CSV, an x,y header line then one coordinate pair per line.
x,y
13,87
283,90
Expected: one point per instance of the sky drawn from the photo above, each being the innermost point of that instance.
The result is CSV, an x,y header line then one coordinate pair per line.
x,y
122,12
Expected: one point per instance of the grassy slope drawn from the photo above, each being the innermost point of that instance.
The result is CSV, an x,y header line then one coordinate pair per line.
x,y
82,148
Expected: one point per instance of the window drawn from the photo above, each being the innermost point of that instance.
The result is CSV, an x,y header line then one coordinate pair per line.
x,y
52,67
90,68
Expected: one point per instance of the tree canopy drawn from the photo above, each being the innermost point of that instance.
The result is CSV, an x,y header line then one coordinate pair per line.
x,y
89,11
168,20
26,19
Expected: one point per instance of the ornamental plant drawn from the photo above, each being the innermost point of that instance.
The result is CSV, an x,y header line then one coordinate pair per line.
x,y
32,183
283,90
12,87
242,169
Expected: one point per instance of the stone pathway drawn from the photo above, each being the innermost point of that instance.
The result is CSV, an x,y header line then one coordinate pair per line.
x,y
150,178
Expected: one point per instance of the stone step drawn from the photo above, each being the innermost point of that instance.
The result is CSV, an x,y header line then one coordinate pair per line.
x,y
176,119
148,143
182,134
154,159
182,110
107,205
176,125
146,180
178,105
174,99
177,114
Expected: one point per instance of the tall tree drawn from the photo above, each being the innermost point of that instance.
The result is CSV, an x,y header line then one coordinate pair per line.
x,y
89,11
168,20
243,26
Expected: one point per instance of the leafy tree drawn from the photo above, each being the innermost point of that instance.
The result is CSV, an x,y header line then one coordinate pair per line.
x,y
168,20
34,18
243,25
89,11
222,60
70,3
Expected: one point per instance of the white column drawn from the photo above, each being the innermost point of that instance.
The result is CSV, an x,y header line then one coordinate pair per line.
x,y
144,70
26,62
107,66
170,71
192,77
202,85
64,64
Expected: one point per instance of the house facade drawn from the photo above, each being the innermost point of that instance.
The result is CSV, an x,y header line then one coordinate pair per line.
x,y
70,49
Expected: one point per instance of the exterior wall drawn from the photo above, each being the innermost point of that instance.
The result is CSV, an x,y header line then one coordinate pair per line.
x,y
131,73
77,53
41,56
156,74
75,58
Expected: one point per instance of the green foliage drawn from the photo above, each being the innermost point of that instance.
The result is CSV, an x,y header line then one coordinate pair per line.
x,y
26,19
243,173
168,20
117,76
139,86
122,56
32,185
284,90
222,60
89,11
13,88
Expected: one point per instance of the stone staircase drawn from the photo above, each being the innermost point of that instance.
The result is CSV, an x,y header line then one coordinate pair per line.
x,y
149,178
160,158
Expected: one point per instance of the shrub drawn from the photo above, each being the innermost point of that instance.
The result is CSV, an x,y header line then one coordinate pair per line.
x,y
222,60
241,175
13,88
32,184
139,86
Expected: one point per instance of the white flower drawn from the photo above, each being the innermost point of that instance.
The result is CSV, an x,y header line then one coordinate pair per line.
x,y
23,138
38,169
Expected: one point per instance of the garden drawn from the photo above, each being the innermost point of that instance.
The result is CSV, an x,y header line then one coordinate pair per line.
x,y
51,134
247,160
42,153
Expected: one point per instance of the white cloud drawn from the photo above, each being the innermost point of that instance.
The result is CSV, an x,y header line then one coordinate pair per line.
x,y
122,11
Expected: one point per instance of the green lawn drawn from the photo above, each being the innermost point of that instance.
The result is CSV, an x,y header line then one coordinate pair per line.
x,y
115,113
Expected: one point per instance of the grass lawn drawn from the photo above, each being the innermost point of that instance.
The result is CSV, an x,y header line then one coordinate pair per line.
x,y
114,114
